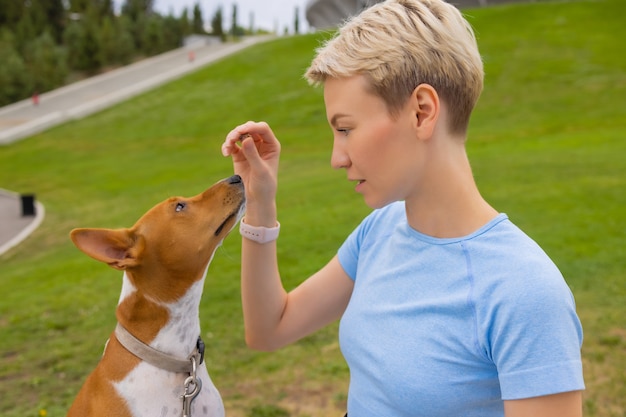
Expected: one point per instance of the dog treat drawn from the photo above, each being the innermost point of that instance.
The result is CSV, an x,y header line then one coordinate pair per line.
x,y
245,135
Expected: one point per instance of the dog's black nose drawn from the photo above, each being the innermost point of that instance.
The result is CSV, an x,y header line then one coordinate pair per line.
x,y
235,179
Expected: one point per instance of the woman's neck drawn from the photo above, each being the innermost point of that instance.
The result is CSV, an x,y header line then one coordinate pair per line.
x,y
448,203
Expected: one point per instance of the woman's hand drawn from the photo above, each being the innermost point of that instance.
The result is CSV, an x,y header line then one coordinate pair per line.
x,y
255,152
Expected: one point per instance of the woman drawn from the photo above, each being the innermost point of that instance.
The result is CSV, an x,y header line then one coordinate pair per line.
x,y
446,307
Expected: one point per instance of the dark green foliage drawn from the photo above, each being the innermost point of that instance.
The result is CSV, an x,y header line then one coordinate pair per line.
x,y
197,22
81,40
13,77
52,41
46,64
217,23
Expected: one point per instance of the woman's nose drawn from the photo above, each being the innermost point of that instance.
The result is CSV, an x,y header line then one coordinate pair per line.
x,y
339,157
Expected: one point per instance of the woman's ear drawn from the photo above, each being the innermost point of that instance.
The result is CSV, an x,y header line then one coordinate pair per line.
x,y
426,106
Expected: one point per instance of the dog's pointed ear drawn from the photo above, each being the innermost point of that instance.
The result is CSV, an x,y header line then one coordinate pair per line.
x,y
115,247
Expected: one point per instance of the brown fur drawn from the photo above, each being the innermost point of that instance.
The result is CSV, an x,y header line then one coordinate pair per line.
x,y
163,254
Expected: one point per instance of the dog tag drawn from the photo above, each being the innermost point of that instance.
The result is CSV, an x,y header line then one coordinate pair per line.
x,y
195,385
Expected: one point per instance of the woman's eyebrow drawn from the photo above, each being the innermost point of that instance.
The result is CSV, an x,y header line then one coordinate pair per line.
x,y
333,120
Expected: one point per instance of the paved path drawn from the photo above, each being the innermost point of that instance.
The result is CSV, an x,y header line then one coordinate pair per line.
x,y
23,119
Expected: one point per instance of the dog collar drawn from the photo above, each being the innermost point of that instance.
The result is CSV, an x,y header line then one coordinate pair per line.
x,y
157,358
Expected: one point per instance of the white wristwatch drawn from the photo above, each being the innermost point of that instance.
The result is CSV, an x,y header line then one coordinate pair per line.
x,y
259,234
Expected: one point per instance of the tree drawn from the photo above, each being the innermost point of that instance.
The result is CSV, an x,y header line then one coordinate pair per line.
x,y
233,28
10,13
53,13
105,8
46,63
296,21
137,8
137,12
13,76
217,24
197,24
153,40
236,30
79,6
108,39
185,27
25,31
173,34
36,9
125,42
102,8
83,49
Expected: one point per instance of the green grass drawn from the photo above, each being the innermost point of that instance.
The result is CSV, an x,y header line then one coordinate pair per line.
x,y
547,144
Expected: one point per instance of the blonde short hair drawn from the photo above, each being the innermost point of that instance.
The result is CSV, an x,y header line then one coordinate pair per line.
x,y
399,44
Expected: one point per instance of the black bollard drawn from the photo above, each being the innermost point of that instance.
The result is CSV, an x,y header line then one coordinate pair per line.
x,y
28,205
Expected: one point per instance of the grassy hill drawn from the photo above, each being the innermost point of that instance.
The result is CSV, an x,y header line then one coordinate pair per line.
x,y
547,145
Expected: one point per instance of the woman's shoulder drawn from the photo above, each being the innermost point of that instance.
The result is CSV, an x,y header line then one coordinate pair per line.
x,y
510,263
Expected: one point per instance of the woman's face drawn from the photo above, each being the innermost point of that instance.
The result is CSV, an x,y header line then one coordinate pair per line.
x,y
379,152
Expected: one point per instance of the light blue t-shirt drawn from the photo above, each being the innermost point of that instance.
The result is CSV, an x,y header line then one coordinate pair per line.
x,y
451,327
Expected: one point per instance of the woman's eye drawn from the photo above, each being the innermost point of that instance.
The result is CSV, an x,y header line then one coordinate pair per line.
x,y
344,132
180,206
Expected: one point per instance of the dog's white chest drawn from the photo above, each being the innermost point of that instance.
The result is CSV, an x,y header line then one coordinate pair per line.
x,y
152,392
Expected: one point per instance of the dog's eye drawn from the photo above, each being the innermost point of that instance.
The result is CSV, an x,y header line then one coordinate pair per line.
x,y
180,206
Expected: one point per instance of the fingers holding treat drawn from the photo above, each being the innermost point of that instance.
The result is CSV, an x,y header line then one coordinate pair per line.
x,y
261,134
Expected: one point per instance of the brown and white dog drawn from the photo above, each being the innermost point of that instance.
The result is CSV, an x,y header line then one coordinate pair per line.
x,y
152,365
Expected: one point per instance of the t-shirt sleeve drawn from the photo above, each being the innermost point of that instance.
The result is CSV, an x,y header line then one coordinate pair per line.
x,y
535,340
348,253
